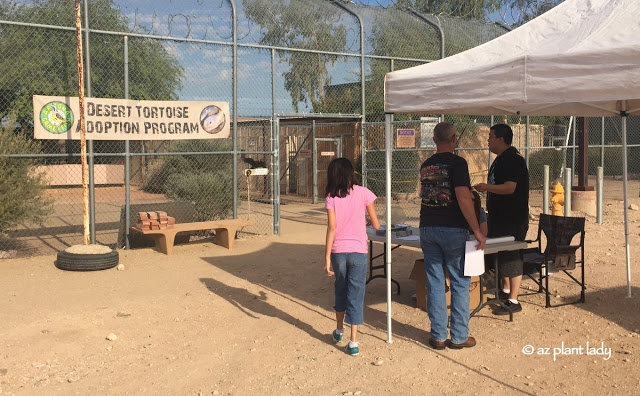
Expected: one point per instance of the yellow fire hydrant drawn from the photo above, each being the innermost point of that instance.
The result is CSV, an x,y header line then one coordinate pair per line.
x,y
557,199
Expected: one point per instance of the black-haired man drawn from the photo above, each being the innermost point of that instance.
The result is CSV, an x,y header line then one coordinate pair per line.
x,y
508,206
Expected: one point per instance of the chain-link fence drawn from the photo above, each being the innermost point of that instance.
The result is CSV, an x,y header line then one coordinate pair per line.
x,y
264,58
551,141
276,63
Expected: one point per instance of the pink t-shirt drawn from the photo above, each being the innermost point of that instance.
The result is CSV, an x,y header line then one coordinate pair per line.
x,y
351,226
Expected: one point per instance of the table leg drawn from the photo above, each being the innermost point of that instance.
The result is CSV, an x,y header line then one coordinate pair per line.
x,y
383,266
496,291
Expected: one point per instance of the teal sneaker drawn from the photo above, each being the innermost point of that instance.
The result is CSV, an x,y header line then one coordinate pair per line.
x,y
337,337
352,351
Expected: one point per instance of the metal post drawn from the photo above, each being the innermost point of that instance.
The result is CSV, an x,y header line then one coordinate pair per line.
x,y
545,189
92,192
599,186
489,159
435,25
363,107
387,178
568,181
602,144
314,161
234,23
526,138
275,176
625,192
127,152
573,144
566,146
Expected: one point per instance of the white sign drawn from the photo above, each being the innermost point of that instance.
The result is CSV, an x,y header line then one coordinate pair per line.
x,y
256,172
426,131
327,153
57,117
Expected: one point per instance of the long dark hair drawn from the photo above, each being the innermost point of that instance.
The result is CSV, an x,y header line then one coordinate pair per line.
x,y
340,178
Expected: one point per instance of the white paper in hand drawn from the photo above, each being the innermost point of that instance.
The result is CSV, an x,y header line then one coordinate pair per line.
x,y
473,260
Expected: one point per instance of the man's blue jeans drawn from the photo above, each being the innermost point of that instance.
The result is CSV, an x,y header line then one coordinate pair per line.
x,y
351,278
444,247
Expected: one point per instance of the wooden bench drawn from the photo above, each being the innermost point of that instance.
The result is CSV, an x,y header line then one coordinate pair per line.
x,y
225,232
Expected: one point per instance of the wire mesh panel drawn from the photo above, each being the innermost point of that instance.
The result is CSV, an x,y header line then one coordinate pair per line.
x,y
296,57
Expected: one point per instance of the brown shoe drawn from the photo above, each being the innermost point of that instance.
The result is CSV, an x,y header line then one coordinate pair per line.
x,y
469,343
439,345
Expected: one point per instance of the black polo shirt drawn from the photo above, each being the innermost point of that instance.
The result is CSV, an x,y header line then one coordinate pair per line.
x,y
513,208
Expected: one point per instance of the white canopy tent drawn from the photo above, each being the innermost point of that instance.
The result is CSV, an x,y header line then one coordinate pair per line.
x,y
581,58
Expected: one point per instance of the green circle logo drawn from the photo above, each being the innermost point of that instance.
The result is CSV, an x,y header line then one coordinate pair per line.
x,y
56,117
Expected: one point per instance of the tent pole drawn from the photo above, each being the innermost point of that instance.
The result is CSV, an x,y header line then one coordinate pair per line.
x,y
489,158
388,130
623,114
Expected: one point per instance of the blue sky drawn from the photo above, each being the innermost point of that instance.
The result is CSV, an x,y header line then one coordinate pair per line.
x,y
207,66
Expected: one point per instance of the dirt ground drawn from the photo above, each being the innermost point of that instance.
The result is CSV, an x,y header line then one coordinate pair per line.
x,y
258,320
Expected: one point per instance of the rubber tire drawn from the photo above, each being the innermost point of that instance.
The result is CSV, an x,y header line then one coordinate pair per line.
x,y
87,262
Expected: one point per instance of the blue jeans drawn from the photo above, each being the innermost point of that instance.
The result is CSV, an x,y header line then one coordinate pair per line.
x,y
443,247
351,279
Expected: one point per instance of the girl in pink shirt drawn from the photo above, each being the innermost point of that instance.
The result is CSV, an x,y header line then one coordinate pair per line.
x,y
346,247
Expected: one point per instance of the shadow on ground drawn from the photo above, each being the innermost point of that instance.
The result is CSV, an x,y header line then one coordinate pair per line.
x,y
309,284
614,305
308,287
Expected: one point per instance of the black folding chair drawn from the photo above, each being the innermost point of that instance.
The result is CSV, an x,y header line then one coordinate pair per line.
x,y
559,255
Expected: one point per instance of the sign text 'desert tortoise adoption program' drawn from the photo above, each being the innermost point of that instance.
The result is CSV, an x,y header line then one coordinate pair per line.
x,y
57,117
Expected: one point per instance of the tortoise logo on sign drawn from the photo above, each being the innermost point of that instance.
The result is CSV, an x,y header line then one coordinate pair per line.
x,y
212,119
56,117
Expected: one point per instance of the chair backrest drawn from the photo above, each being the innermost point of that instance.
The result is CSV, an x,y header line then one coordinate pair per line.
x,y
559,231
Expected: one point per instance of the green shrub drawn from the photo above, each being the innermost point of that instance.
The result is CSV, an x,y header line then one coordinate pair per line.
x,y
211,193
551,157
21,190
205,179
613,160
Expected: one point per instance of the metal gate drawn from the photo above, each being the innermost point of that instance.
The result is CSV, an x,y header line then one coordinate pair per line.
x,y
324,150
308,143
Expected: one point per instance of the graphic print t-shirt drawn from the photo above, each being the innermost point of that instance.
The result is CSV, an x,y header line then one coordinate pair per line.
x,y
439,176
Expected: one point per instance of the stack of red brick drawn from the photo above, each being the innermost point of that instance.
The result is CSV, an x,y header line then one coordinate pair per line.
x,y
155,221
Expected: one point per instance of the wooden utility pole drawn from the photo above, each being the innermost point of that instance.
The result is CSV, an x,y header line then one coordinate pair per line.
x,y
83,130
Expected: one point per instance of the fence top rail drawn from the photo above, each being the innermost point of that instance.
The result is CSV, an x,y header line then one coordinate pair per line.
x,y
215,42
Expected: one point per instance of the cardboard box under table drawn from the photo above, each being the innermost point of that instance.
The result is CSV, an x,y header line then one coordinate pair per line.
x,y
418,274
477,295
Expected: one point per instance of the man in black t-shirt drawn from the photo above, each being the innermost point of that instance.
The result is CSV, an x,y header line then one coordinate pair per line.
x,y
445,214
508,207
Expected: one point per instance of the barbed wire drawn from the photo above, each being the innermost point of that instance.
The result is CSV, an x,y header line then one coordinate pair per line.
x,y
512,12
